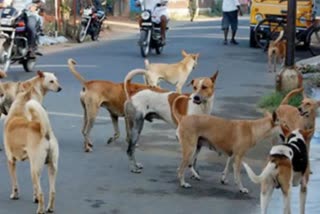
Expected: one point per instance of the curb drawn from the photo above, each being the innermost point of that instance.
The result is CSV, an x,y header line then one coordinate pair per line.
x,y
309,61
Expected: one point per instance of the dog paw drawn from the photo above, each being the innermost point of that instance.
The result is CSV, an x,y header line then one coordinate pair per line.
x,y
186,185
136,170
14,196
224,181
88,149
194,177
50,210
139,166
110,140
244,190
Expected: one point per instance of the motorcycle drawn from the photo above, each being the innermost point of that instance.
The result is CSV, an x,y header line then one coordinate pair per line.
x,y
150,32
15,47
91,22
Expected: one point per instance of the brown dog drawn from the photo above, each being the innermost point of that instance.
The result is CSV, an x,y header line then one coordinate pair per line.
x,y
303,117
276,52
28,135
287,166
106,94
233,137
41,84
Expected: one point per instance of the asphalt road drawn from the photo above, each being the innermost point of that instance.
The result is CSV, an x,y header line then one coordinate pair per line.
x,y
100,182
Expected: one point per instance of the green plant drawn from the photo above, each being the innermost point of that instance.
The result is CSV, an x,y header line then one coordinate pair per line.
x,y
65,8
272,101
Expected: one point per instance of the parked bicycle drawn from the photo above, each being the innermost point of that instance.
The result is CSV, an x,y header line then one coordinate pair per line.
x,y
269,28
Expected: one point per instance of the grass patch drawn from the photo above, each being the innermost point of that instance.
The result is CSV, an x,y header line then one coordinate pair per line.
x,y
272,101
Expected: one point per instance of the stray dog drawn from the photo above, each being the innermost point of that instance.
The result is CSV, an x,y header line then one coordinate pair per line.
x,y
303,117
28,135
152,104
233,137
276,52
41,84
106,94
175,74
287,166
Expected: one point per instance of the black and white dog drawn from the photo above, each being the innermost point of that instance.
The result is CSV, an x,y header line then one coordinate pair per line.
x,y
288,166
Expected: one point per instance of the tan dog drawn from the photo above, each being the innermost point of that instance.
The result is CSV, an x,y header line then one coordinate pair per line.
x,y
233,137
28,135
41,83
175,74
287,166
276,52
106,94
152,104
303,117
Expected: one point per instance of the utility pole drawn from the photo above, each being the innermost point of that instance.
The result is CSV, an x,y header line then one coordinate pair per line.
x,y
291,32
290,78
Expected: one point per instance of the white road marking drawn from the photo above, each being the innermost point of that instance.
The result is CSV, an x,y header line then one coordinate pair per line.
x,y
64,114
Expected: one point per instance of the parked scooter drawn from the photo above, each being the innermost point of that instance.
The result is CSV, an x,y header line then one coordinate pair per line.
x,y
91,23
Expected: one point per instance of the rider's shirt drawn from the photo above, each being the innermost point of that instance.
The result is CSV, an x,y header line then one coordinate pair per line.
x,y
157,12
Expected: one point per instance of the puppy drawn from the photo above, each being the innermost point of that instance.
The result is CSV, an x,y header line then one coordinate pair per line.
x,y
41,83
287,166
149,104
232,137
28,135
105,94
175,74
276,52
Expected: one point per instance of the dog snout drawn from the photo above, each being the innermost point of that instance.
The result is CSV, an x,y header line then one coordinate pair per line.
x,y
196,99
59,89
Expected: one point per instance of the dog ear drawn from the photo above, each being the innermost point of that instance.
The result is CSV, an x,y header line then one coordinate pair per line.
x,y
184,53
190,83
214,77
306,133
274,116
196,56
285,129
40,74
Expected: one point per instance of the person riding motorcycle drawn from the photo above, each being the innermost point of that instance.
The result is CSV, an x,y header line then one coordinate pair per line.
x,y
34,11
159,14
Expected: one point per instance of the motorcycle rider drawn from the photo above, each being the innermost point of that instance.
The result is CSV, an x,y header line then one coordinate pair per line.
x,y
159,14
34,9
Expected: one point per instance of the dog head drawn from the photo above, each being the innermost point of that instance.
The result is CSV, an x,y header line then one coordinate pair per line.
x,y
203,88
308,107
49,81
288,135
191,56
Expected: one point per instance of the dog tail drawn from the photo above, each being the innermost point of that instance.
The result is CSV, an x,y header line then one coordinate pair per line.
x,y
35,112
147,64
128,78
175,113
279,37
290,94
71,63
264,174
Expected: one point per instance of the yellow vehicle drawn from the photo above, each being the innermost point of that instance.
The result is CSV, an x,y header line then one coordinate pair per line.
x,y
268,17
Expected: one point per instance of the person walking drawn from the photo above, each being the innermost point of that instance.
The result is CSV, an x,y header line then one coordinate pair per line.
x,y
230,10
193,7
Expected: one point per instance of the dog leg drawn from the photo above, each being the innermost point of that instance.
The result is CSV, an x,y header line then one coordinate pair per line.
x,y
52,174
35,175
236,173
186,155
91,114
134,121
12,170
286,200
269,62
179,88
193,168
115,127
303,195
265,194
225,172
